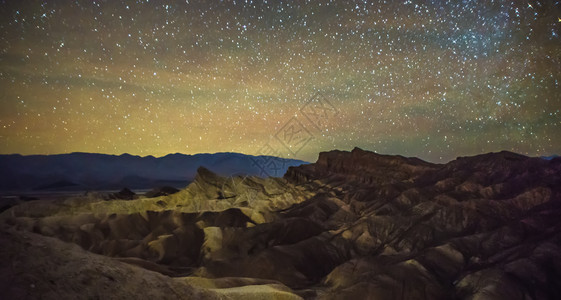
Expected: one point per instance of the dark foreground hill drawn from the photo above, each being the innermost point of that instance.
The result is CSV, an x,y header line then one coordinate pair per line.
x,y
92,171
353,225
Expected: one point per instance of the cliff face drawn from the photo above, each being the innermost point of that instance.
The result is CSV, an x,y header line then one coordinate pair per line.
x,y
472,227
359,166
353,224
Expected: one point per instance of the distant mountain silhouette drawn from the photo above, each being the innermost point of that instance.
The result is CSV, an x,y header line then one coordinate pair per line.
x,y
87,171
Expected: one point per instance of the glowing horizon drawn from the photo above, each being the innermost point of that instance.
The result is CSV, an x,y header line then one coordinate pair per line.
x,y
433,80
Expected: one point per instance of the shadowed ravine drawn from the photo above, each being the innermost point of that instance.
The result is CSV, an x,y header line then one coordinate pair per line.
x,y
352,225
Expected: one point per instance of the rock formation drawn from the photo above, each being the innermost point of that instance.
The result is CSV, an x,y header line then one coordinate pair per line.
x,y
161,191
352,225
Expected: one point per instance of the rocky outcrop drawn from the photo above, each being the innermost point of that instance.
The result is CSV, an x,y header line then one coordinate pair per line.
x,y
161,191
124,194
352,225
39,267
424,231
360,167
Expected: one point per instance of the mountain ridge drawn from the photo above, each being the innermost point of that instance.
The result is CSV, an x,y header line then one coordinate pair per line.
x,y
87,171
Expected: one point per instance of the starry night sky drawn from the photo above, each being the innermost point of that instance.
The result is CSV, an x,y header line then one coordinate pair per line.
x,y
433,79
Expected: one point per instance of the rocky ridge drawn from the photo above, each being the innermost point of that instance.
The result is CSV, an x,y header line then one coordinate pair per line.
x,y
353,224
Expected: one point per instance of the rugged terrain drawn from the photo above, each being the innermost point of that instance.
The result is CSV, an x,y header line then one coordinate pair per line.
x,y
352,225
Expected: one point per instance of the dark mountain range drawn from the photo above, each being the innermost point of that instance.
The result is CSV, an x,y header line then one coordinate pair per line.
x,y
353,225
85,171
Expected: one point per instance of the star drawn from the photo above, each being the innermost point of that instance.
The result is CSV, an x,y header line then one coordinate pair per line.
x,y
436,80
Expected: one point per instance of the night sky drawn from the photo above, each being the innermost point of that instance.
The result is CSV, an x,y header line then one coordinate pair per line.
x,y
291,78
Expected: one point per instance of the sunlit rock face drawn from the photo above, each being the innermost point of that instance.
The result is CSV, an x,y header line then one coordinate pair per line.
x,y
352,225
